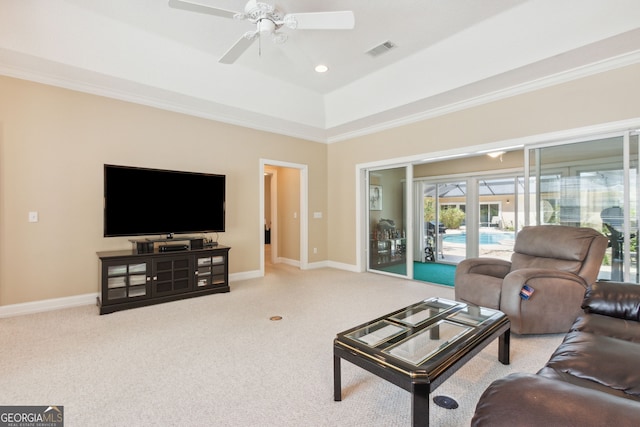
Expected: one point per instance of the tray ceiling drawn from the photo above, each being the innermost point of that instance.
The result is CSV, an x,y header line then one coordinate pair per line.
x,y
448,55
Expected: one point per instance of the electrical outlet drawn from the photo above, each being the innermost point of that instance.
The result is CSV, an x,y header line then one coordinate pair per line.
x,y
315,250
33,216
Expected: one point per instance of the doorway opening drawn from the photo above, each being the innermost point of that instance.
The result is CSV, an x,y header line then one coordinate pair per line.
x,y
283,214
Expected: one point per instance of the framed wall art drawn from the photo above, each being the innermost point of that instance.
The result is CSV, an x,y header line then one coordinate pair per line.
x,y
375,197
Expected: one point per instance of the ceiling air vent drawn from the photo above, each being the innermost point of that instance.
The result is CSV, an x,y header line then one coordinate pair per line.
x,y
381,48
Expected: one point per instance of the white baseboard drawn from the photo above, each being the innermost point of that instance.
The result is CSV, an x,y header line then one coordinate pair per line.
x,y
47,305
291,262
90,299
342,266
314,265
245,275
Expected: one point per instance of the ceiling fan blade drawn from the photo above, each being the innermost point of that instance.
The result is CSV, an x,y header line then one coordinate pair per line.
x,y
194,6
339,20
234,52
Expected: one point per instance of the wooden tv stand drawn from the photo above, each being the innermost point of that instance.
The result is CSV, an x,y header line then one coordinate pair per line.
x,y
130,279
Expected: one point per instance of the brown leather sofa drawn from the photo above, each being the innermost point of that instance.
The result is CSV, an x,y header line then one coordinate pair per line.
x,y
557,261
593,377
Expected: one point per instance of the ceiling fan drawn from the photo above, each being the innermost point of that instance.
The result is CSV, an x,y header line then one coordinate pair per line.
x,y
268,20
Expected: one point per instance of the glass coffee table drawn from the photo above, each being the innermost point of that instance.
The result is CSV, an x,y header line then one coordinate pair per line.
x,y
418,347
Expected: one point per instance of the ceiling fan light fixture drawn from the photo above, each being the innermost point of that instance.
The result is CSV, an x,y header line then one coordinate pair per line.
x,y
266,26
321,68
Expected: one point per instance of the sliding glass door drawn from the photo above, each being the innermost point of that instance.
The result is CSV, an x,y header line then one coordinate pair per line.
x,y
592,184
388,221
588,183
497,209
444,221
452,232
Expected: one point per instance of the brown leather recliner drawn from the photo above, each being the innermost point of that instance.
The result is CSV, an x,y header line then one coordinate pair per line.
x,y
557,262
591,379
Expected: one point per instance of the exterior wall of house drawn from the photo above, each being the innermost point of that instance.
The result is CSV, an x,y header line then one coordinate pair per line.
x,y
53,144
597,99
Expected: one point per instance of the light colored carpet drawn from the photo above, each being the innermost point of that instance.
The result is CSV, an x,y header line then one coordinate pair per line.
x,y
219,360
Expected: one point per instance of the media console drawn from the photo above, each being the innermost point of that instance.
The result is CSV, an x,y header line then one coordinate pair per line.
x,y
131,279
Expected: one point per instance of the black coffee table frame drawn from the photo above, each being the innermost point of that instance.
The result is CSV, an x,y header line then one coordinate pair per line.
x,y
419,380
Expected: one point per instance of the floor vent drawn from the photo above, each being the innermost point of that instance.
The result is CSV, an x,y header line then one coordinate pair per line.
x,y
381,48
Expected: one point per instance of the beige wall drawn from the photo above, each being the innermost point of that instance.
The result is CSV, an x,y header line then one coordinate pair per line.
x,y
482,163
602,98
53,144
289,213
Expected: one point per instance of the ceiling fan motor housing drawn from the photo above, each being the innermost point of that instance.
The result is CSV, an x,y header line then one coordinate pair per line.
x,y
255,12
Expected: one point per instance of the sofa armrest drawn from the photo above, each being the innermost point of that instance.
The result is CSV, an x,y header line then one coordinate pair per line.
x,y
494,267
479,281
532,400
553,306
614,299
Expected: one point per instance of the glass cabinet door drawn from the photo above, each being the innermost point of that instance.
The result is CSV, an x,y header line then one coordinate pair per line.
x,y
171,275
210,271
127,280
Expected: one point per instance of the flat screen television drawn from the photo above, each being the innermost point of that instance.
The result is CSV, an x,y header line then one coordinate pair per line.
x,y
141,201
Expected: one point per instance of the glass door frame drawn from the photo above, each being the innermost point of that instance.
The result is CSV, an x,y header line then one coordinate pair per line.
x,y
472,202
407,220
536,171
525,200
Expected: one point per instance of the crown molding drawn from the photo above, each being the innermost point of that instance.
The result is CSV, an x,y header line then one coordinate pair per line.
x,y
446,103
342,133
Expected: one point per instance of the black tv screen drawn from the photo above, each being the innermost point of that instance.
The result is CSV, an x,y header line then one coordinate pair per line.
x,y
140,201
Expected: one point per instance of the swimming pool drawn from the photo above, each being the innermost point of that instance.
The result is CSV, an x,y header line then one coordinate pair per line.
x,y
485,238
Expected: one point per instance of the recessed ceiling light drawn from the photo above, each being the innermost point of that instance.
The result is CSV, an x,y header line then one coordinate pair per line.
x,y
321,68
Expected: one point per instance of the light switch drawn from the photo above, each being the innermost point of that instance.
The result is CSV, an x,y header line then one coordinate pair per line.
x,y
33,216
317,215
